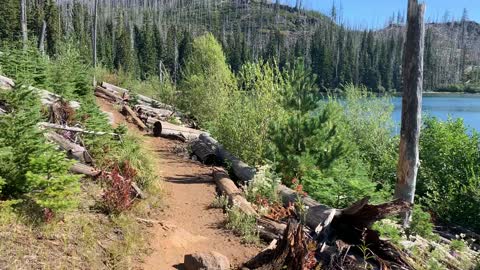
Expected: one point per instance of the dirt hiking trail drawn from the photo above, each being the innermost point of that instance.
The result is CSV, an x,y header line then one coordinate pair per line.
x,y
188,224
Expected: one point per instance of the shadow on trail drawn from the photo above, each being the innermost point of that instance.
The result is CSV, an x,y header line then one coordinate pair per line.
x,y
190,179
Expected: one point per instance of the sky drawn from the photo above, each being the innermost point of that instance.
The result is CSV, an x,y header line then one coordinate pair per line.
x,y
374,13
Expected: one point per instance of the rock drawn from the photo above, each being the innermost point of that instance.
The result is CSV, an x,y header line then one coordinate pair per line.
x,y
206,261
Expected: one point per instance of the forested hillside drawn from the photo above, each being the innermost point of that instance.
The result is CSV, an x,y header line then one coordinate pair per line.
x,y
143,36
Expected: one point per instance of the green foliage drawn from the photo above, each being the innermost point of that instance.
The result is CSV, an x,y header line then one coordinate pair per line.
x,y
207,81
29,167
422,223
448,179
263,186
248,113
220,201
458,245
388,229
242,224
367,116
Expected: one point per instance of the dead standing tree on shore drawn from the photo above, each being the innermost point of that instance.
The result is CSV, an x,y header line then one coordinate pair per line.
x,y
409,161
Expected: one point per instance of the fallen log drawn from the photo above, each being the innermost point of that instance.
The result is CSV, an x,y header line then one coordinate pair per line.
x,y
241,170
109,94
6,83
128,111
80,168
101,95
270,229
73,150
165,129
204,152
143,100
227,187
153,112
113,88
73,129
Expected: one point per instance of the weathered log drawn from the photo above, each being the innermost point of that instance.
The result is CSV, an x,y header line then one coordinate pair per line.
x,y
270,229
241,170
109,94
113,88
80,168
6,83
204,152
166,129
227,187
153,112
127,110
75,151
101,95
143,100
73,129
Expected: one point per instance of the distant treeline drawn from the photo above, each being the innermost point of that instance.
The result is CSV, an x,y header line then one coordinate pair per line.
x,y
142,36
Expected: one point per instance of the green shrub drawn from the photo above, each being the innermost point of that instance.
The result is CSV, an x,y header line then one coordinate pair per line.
x,y
458,245
388,229
249,113
207,81
220,201
422,223
448,178
263,186
243,224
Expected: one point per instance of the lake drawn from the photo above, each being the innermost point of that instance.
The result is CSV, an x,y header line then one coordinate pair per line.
x,y
441,106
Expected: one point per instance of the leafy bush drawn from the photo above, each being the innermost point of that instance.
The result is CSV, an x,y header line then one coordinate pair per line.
x,y
242,224
422,223
249,113
388,229
458,245
448,178
263,186
207,81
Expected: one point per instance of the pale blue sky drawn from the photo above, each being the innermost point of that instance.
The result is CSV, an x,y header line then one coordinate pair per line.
x,y
374,13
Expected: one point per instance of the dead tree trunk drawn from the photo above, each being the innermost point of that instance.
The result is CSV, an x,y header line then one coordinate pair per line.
x,y
409,162
41,43
94,40
23,7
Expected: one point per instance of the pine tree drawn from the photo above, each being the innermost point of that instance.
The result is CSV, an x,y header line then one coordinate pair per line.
x,y
9,20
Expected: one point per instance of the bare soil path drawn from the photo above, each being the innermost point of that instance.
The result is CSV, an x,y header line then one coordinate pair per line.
x,y
188,224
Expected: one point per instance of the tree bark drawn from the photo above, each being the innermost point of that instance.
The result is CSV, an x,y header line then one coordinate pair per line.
x,y
41,43
136,120
80,168
94,40
74,129
409,162
114,97
23,7
165,129
76,151
227,187
241,170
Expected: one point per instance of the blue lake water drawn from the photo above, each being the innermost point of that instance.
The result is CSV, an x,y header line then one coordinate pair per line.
x,y
455,106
